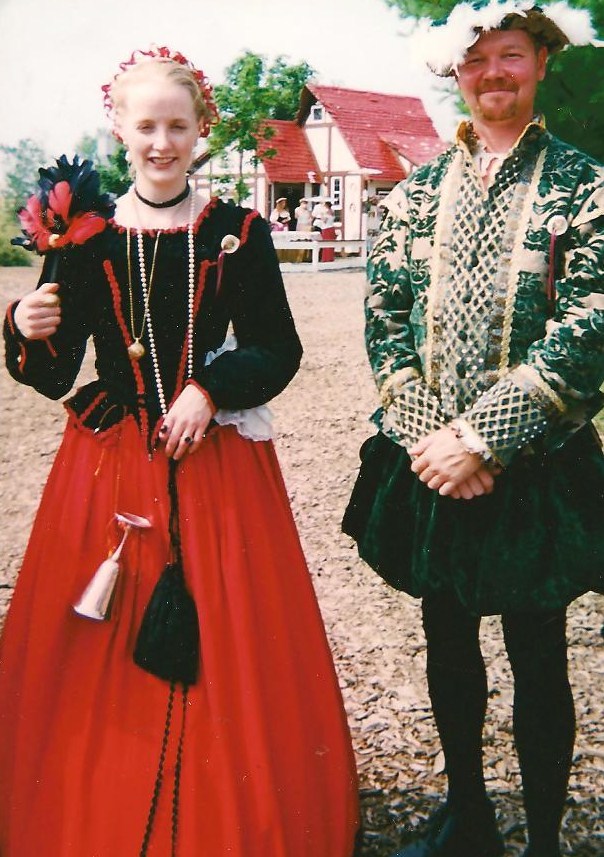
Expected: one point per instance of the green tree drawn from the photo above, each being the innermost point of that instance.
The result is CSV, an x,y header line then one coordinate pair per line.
x,y
572,99
115,175
9,228
572,94
113,169
423,8
253,92
87,147
21,165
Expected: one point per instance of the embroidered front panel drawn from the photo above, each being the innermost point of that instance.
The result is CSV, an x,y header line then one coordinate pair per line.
x,y
474,295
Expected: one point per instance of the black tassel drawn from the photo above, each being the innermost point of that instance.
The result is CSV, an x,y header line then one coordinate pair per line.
x,y
168,640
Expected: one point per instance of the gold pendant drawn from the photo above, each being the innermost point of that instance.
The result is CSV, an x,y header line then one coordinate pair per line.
x,y
136,350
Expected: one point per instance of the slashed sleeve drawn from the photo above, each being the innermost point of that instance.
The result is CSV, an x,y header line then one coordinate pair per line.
x,y
268,349
558,383
410,410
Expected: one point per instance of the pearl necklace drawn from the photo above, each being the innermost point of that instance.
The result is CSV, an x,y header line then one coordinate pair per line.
x,y
190,303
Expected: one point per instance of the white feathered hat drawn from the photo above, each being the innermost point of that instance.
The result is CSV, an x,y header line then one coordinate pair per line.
x,y
443,44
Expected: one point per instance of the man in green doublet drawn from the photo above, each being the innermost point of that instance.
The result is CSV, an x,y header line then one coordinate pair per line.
x,y
483,492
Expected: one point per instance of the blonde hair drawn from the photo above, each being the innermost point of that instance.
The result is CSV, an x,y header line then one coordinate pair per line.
x,y
170,71
174,67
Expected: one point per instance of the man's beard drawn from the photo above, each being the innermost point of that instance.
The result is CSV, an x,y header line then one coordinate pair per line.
x,y
492,112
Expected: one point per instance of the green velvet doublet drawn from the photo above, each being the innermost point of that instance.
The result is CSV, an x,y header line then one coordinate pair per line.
x,y
487,306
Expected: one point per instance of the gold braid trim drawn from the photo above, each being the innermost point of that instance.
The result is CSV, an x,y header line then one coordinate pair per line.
x,y
513,277
445,209
395,383
533,379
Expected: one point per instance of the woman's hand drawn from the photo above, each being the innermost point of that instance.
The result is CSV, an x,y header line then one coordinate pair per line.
x,y
38,314
184,425
443,464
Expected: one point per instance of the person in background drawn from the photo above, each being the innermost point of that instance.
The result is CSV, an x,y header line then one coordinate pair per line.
x,y
483,493
280,217
318,213
303,217
113,740
328,231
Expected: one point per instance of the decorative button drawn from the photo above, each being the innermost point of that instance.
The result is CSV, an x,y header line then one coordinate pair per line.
x,y
557,225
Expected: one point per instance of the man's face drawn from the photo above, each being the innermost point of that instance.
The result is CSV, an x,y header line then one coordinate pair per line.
x,y
499,76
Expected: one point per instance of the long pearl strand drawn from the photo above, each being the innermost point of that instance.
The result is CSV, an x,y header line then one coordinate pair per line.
x,y
190,305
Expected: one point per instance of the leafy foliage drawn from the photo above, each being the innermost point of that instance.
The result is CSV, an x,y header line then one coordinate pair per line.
x,y
572,94
115,174
113,169
423,8
9,228
21,171
21,176
572,99
88,147
253,92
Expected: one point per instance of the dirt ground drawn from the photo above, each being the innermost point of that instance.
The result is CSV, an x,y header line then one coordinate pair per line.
x,y
375,632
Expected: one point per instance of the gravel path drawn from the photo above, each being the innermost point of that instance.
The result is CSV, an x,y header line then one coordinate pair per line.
x,y
375,632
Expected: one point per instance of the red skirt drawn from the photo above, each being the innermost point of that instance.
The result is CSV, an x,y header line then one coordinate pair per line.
x,y
267,767
329,254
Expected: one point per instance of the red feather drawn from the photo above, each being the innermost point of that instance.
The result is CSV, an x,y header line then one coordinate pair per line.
x,y
59,200
82,227
67,208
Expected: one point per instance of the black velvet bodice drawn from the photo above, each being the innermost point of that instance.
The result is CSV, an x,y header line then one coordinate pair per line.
x,y
95,300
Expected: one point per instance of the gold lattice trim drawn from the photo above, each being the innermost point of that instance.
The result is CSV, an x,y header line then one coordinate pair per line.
x,y
532,378
394,384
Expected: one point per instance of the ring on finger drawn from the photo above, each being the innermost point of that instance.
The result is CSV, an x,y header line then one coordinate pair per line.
x,y
188,439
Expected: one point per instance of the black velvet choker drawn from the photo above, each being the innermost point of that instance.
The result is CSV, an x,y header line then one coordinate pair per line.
x,y
168,203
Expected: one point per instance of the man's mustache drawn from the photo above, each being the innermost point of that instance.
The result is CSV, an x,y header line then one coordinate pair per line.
x,y
497,86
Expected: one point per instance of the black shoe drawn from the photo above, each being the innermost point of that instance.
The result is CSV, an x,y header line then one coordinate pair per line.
x,y
453,835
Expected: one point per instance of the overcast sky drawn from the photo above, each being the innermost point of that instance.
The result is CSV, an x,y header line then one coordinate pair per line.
x,y
56,53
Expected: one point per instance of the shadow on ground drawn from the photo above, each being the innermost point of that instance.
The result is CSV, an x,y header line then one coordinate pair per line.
x,y
391,821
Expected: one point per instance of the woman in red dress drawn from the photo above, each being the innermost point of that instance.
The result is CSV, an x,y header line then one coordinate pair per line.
x,y
98,756
328,232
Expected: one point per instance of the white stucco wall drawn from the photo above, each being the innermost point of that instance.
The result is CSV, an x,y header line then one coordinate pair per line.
x,y
329,147
352,208
318,138
342,159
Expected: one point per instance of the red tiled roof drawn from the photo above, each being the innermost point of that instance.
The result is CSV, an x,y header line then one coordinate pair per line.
x,y
293,159
366,118
416,149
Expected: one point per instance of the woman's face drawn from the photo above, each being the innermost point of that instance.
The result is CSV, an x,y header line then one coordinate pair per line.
x,y
158,125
